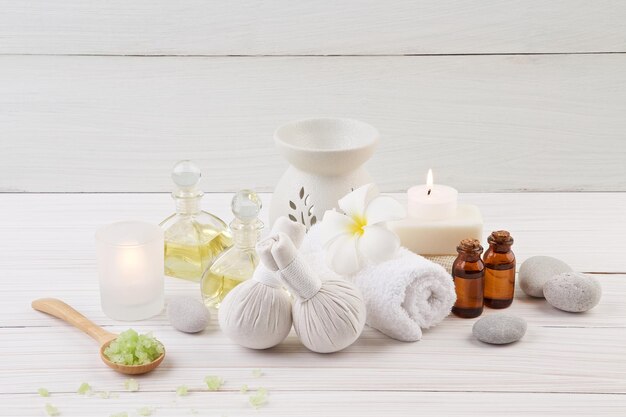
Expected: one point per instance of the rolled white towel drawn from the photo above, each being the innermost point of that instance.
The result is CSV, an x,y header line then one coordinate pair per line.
x,y
405,295
402,296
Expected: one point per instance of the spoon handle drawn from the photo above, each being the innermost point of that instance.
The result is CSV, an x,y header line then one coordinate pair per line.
x,y
59,309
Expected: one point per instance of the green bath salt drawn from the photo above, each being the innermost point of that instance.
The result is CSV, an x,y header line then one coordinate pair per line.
x,y
131,348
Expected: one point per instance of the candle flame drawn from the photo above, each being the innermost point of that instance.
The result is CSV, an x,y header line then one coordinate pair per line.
x,y
429,181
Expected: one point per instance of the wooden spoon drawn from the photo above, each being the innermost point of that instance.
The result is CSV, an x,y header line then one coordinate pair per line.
x,y
59,309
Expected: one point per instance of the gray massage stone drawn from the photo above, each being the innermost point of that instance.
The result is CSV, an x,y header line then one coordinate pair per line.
x,y
536,271
187,314
573,292
499,329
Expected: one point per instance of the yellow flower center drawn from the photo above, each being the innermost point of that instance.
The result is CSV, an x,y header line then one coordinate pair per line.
x,y
359,222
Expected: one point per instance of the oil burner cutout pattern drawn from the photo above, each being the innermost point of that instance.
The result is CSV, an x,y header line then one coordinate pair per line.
x,y
302,209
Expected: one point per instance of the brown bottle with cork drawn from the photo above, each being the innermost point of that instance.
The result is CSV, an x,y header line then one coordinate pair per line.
x,y
468,272
499,270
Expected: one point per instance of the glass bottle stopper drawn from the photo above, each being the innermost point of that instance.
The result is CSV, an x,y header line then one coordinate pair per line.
x,y
246,227
246,206
186,175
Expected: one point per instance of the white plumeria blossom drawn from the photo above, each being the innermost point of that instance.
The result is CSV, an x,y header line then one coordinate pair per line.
x,y
359,234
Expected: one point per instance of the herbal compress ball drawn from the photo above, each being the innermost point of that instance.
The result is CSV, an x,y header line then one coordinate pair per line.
x,y
257,313
328,315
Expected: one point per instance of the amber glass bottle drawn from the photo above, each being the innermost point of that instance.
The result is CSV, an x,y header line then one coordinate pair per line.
x,y
468,272
499,270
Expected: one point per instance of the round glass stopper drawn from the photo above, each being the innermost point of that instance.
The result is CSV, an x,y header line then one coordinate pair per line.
x,y
246,205
186,174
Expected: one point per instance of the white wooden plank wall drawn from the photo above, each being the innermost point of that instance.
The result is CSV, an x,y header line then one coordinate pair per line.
x,y
323,27
519,95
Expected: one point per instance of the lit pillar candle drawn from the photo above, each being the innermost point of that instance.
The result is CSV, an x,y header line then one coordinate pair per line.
x,y
436,223
432,202
130,269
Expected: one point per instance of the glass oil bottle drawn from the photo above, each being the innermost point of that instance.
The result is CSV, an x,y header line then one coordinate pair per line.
x,y
238,263
468,272
193,238
499,270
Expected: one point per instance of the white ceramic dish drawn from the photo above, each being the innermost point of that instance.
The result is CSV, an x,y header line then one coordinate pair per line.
x,y
326,157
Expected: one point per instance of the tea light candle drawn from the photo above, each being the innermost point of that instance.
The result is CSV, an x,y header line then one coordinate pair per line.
x,y
436,223
432,202
130,269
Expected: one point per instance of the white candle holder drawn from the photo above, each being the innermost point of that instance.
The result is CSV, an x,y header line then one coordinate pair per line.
x,y
130,268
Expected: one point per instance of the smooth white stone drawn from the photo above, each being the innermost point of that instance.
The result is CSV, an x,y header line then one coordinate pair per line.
x,y
499,329
536,271
573,292
187,314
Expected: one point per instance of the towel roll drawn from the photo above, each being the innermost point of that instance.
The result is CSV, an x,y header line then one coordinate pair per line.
x,y
405,295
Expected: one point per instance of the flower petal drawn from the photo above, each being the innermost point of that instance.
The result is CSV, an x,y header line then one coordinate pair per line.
x,y
354,204
378,244
384,209
335,224
342,256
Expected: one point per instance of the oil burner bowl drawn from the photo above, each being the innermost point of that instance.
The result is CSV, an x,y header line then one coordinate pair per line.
x,y
326,157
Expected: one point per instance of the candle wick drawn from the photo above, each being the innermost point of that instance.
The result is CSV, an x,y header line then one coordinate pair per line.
x,y
429,190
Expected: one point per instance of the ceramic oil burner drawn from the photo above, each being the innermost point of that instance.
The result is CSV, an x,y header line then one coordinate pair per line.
x,y
326,157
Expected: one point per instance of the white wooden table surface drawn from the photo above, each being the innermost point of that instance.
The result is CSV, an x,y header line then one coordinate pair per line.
x,y
567,364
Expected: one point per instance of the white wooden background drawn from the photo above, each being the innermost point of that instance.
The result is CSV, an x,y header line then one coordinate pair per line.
x,y
496,95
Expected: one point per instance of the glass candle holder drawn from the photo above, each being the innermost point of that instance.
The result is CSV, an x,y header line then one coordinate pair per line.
x,y
130,269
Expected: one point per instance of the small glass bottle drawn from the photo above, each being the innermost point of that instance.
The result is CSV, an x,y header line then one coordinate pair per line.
x,y
499,270
193,238
238,263
468,272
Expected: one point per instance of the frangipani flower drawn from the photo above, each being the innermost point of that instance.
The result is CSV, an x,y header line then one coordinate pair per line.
x,y
359,234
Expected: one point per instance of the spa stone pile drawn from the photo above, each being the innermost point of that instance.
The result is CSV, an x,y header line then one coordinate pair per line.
x,y
554,280
541,277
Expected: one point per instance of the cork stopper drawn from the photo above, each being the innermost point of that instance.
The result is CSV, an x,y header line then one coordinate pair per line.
x,y
469,246
500,237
